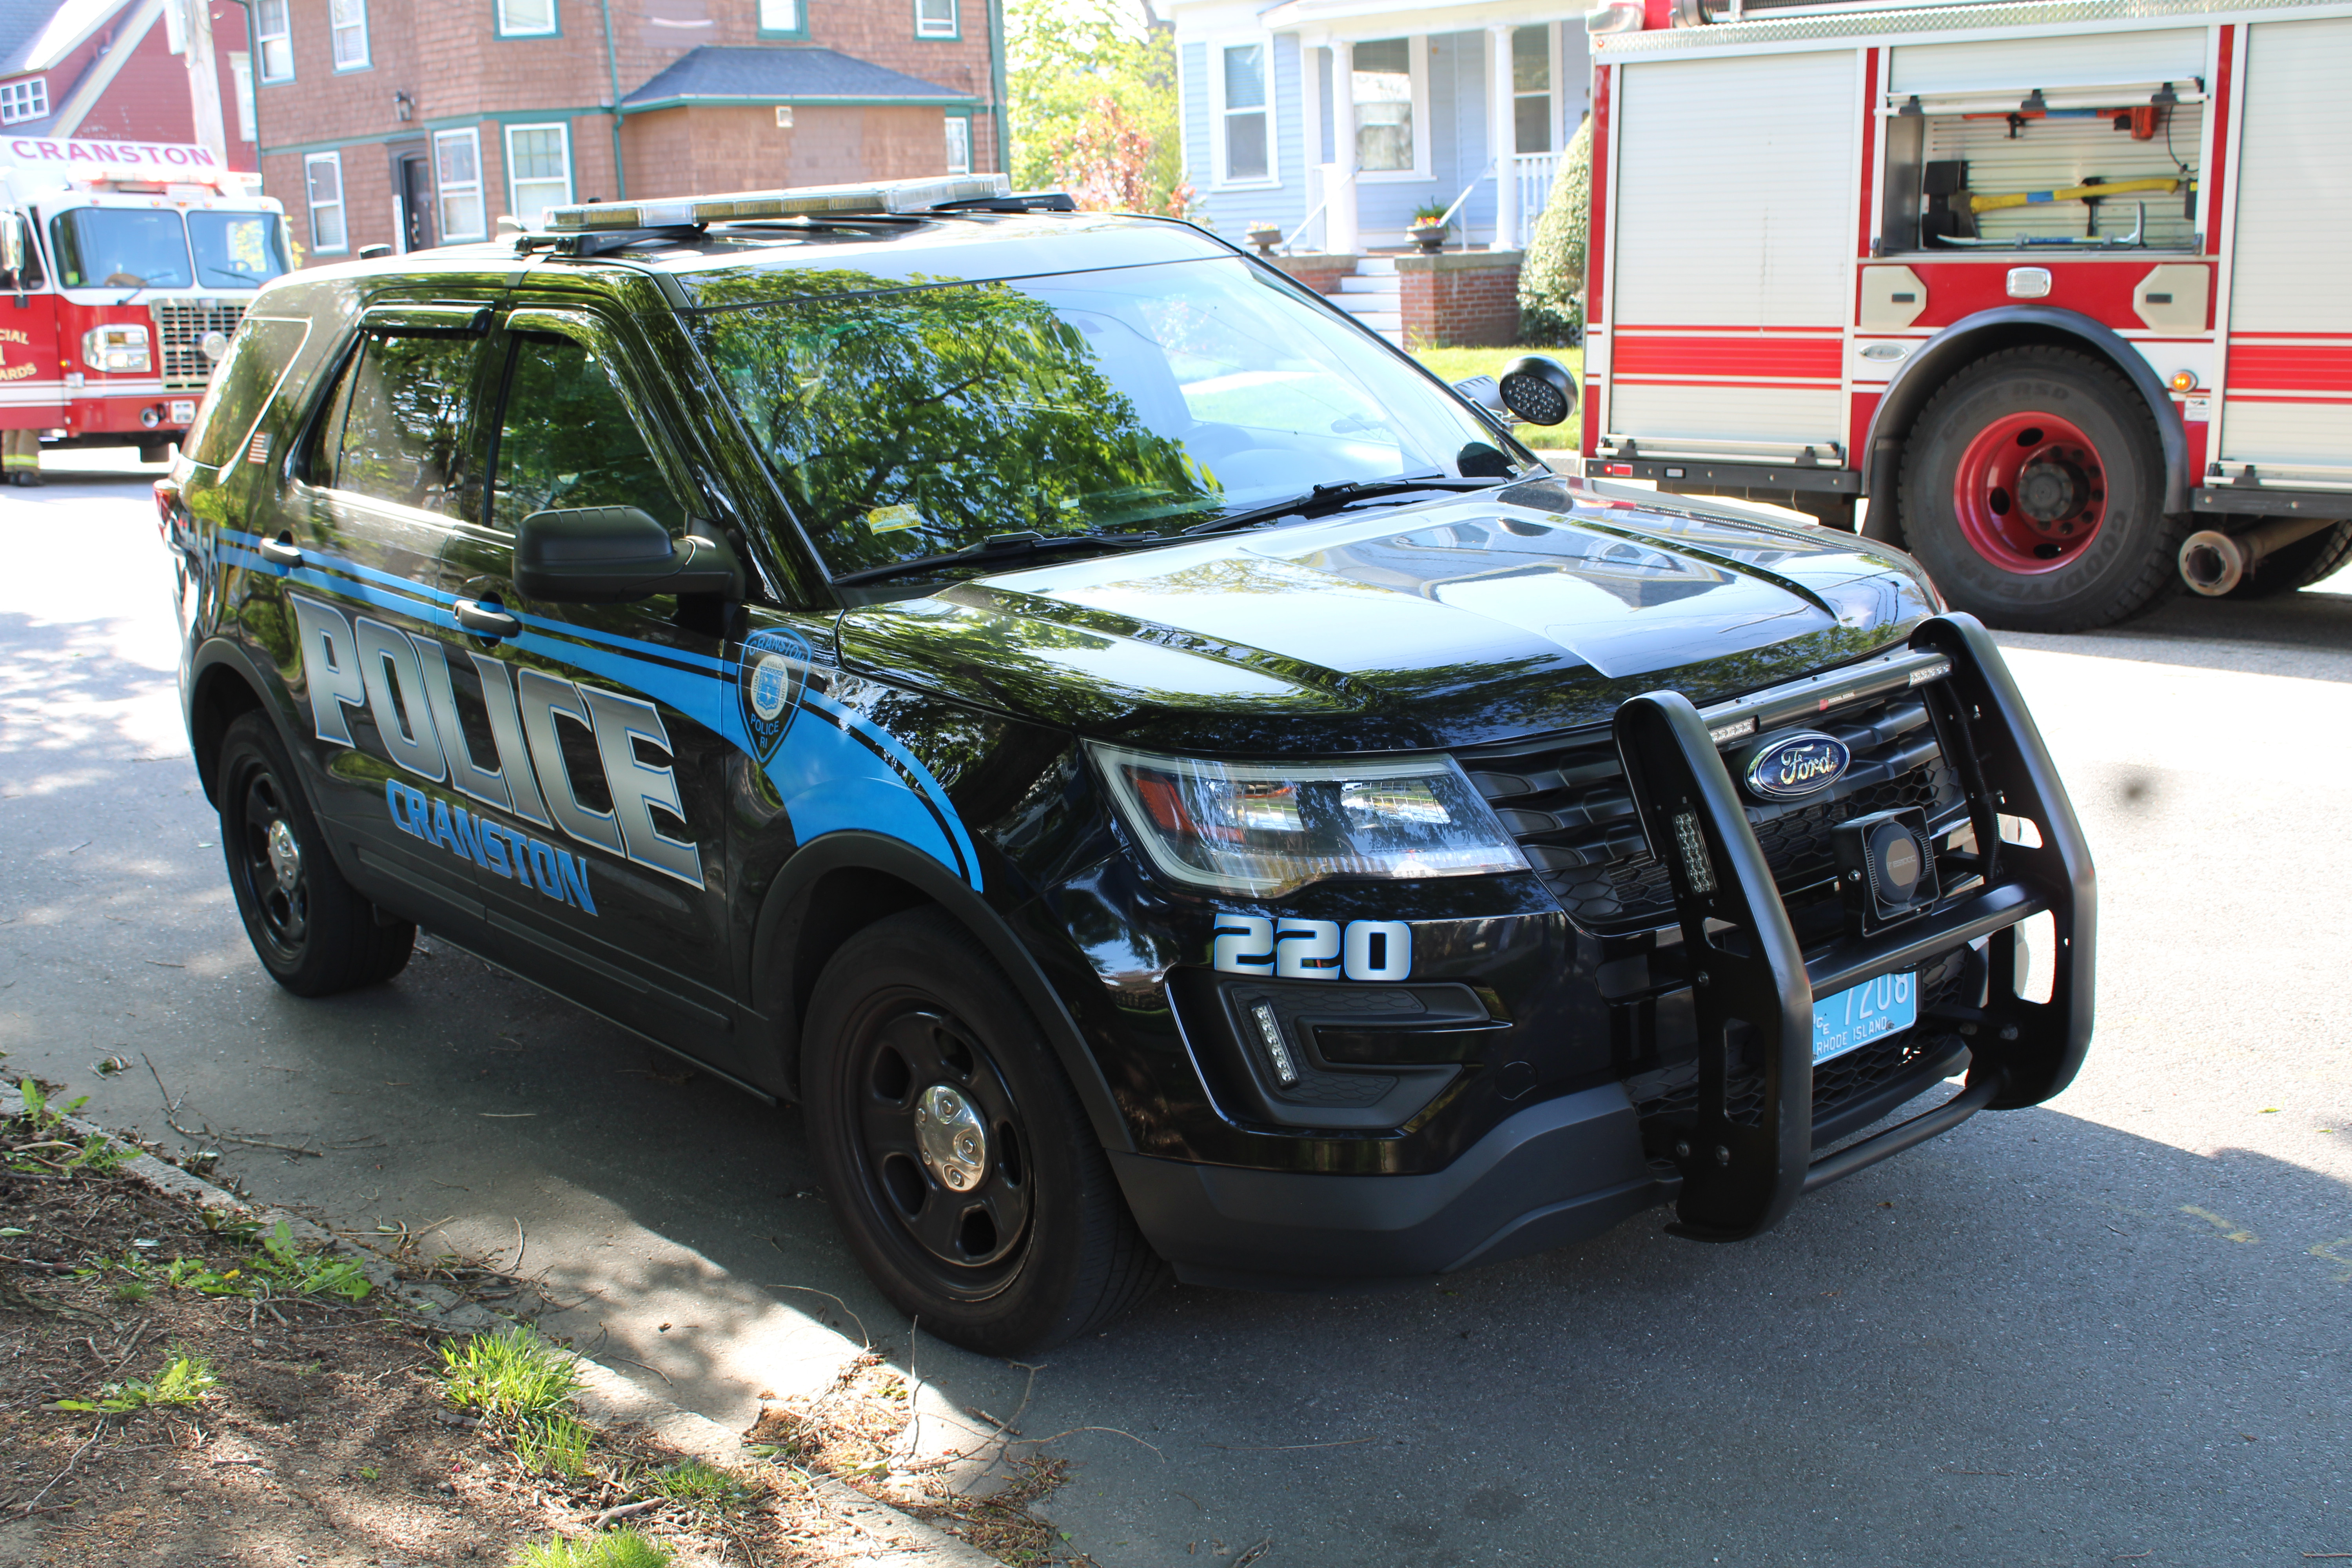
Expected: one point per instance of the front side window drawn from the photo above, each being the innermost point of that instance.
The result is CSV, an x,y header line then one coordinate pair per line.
x,y
568,439
1382,84
397,429
1531,87
27,98
458,161
526,19
120,248
959,144
918,421
1248,140
275,33
539,170
325,172
347,21
235,250
936,19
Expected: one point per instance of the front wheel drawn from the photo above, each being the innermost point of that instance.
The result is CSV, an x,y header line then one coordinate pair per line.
x,y
956,1155
2032,490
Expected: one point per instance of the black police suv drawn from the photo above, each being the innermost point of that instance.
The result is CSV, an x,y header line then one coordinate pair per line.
x,y
1161,780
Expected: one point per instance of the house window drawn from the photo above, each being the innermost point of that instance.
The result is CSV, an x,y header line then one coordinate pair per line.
x,y
1531,87
959,144
240,71
526,19
1383,96
936,19
347,22
781,17
275,33
457,161
539,170
1248,142
26,100
325,173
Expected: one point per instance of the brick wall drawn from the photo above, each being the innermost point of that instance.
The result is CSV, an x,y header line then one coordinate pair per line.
x,y
1461,299
1320,273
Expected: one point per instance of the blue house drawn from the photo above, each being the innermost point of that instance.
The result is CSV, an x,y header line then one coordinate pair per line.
x,y
1336,119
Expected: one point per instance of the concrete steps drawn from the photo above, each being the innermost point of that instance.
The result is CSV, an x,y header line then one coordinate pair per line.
x,y
1375,296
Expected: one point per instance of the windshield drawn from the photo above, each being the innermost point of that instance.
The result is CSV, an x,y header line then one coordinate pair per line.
x,y
120,248
235,250
919,422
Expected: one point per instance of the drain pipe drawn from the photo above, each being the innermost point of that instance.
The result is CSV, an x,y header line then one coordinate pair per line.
x,y
612,66
2213,563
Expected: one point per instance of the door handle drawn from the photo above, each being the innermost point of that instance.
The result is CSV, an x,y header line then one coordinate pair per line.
x,y
487,620
280,551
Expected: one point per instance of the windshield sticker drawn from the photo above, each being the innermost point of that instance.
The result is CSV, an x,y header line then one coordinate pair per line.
x,y
892,518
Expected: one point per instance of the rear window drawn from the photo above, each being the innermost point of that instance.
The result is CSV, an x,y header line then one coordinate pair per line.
x,y
258,358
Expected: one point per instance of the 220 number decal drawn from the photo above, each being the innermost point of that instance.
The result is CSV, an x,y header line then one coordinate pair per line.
x,y
1292,949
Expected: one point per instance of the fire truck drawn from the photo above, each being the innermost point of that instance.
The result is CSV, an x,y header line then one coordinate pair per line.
x,y
2057,289
124,269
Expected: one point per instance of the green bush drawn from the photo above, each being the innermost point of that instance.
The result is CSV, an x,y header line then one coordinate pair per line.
x,y
1551,279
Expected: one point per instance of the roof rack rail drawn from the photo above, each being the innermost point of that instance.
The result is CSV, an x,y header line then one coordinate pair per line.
x,y
881,197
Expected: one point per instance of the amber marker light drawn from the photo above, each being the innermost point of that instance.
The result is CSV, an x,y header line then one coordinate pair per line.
x,y
2184,381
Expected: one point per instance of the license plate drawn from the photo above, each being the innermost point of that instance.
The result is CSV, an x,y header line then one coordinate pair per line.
x,y
1870,1011
183,411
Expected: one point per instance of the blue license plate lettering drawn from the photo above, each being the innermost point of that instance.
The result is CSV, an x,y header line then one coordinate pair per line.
x,y
1867,1012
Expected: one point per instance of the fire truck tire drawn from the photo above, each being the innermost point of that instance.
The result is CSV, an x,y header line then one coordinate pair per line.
x,y
2032,490
2300,564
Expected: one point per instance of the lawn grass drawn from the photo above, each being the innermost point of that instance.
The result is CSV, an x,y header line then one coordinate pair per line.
x,y
622,1548
1459,364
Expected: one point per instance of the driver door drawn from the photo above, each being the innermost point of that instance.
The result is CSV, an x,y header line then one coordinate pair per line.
x,y
32,385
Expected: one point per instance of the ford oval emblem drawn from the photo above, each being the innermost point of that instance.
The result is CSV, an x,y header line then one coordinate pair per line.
x,y
1796,765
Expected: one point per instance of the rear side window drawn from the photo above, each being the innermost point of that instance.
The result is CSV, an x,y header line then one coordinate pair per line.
x,y
396,426
569,440
258,358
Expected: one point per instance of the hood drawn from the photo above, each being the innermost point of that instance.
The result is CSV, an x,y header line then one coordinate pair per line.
x,y
1535,608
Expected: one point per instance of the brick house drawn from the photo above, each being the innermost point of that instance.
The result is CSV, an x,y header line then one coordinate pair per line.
x,y
417,122
113,70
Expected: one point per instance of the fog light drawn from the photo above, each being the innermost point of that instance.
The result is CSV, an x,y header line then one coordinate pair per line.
x,y
1277,1050
1886,867
151,417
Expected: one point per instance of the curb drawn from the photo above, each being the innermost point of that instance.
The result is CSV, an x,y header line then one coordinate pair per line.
x,y
886,1536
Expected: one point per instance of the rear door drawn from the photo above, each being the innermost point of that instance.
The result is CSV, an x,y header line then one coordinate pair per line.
x,y
615,889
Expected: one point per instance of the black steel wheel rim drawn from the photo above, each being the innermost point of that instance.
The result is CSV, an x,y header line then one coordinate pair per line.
x,y
281,913
966,1243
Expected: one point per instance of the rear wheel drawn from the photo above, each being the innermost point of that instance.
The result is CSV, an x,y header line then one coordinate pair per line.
x,y
2032,490
957,1156
2309,560
313,932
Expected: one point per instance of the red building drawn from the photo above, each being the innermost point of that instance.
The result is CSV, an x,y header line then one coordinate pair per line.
x,y
114,70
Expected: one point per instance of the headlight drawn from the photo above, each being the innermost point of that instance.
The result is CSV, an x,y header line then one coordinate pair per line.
x,y
119,347
1264,828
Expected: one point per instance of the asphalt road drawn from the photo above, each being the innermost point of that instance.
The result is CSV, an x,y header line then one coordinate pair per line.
x,y
2111,1328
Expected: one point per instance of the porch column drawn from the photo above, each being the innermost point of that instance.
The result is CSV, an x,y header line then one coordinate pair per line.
x,y
1502,138
1311,129
1340,217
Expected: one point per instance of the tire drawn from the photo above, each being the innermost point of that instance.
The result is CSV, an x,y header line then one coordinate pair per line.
x,y
2299,565
2032,490
1033,1244
311,931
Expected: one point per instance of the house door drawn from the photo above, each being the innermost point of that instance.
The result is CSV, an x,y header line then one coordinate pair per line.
x,y
416,203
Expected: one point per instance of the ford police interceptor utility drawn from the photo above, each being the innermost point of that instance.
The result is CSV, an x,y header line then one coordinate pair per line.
x,y
1163,782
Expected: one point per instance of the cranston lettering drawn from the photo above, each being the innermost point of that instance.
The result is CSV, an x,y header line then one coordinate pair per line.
x,y
501,851
403,682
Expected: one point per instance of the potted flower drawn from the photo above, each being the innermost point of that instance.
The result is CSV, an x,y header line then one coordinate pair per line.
x,y
1265,237
1429,229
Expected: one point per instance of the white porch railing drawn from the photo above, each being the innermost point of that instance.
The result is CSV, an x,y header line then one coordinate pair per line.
x,y
1535,170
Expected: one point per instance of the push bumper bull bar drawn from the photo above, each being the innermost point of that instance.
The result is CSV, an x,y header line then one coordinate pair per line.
x,y
1753,981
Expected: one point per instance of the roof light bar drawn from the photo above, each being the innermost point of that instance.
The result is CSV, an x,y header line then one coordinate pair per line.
x,y
807,201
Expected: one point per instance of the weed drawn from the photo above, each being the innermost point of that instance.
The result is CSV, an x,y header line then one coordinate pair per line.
x,y
294,1272
184,1380
554,1444
692,1481
131,1290
45,1116
101,1157
370,1473
513,1374
620,1549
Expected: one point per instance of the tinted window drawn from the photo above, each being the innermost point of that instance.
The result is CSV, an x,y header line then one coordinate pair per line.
x,y
120,248
237,250
569,440
402,423
258,358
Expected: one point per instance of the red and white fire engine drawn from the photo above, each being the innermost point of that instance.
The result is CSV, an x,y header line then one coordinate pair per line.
x,y
2058,288
124,269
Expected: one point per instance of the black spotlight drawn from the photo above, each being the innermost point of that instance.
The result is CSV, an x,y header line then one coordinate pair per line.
x,y
1886,869
1538,389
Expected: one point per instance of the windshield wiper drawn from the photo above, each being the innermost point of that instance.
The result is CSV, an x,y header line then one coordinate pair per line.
x,y
1002,547
1332,498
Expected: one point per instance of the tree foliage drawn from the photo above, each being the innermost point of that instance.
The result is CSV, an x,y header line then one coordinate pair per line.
x,y
1551,279
1093,104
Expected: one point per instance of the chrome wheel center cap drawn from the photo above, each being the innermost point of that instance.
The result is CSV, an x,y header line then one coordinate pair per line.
x,y
954,1143
285,856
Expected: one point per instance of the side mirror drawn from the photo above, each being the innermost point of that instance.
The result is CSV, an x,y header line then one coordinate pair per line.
x,y
609,554
1538,389
12,250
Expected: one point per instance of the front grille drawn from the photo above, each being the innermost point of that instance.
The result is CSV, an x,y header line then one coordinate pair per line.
x,y
180,329
1566,803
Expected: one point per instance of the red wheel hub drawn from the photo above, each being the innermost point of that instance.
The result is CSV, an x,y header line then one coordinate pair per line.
x,y
2030,492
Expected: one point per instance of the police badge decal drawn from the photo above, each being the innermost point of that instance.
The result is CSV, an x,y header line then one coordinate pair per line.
x,y
772,667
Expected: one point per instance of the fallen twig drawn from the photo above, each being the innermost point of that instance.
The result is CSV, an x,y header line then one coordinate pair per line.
x,y
1287,1447
655,1370
1041,1442
29,1506
625,1511
171,1110
835,1301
